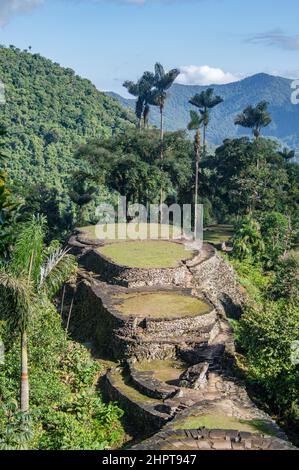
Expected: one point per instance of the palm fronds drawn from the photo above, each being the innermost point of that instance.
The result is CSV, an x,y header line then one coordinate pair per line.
x,y
28,249
255,118
195,122
56,271
17,299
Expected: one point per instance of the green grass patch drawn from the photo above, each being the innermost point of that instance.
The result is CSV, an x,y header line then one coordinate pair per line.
x,y
122,382
164,370
163,305
220,421
147,254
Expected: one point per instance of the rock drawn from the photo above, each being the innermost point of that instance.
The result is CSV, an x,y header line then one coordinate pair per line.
x,y
195,377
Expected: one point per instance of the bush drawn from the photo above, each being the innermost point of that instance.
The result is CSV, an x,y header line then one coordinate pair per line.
x,y
66,410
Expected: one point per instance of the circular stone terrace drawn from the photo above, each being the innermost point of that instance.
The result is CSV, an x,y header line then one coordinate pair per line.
x,y
146,261
161,304
157,246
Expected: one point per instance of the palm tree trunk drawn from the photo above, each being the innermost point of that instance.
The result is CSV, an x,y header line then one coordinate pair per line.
x,y
24,374
162,128
161,158
204,139
197,158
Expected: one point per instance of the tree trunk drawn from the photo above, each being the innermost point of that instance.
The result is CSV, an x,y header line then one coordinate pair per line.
x,y
70,314
161,158
204,139
197,159
24,374
161,128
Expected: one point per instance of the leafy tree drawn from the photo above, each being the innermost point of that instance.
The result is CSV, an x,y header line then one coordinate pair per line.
x,y
128,165
31,275
286,281
239,185
255,118
248,242
205,101
267,333
8,203
276,233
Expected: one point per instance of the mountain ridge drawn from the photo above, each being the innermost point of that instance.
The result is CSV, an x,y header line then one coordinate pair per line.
x,y
237,95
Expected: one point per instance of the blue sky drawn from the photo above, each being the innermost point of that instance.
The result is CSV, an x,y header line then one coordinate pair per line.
x,y
108,41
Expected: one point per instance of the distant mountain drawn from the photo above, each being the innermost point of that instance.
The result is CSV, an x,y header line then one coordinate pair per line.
x,y
237,96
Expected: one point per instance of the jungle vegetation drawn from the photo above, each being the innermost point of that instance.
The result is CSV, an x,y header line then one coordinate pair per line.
x,y
64,148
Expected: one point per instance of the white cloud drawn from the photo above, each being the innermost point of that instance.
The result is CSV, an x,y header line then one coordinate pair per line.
x,y
205,75
12,7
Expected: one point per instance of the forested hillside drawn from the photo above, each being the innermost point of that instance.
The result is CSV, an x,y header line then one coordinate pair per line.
x,y
49,111
237,96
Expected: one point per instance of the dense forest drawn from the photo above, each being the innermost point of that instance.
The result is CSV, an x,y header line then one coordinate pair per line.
x,y
48,112
59,158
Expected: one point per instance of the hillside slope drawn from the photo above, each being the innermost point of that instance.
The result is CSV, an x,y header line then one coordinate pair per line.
x,y
236,96
48,111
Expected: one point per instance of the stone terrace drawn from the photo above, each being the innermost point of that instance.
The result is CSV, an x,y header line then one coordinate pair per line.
x,y
168,329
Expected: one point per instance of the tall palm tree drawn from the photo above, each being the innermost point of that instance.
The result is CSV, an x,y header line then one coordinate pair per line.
x,y
287,154
255,118
194,124
34,274
205,101
142,91
163,81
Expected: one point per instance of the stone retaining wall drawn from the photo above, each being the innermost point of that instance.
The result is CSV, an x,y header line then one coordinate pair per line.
x,y
123,336
126,276
217,280
211,439
148,385
144,416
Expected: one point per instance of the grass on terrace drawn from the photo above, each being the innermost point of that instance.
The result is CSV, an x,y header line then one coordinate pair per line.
x,y
123,383
163,305
168,370
146,253
221,421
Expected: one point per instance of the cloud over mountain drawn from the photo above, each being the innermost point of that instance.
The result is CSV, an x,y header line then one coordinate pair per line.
x,y
205,75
